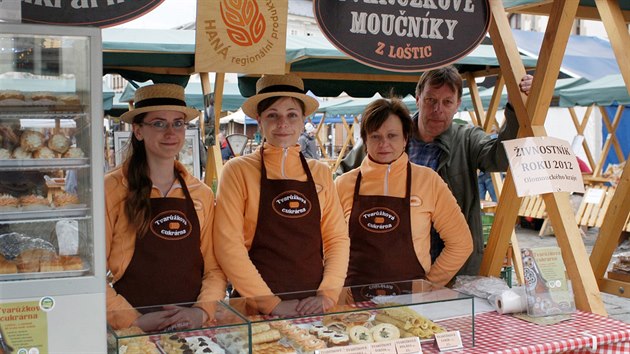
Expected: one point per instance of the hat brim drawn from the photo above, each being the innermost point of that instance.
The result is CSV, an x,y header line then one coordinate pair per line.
x,y
190,113
250,106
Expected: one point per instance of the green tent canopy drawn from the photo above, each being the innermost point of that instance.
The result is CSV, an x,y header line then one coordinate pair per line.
x,y
609,90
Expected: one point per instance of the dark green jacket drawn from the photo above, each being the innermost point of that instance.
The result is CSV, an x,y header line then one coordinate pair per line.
x,y
465,149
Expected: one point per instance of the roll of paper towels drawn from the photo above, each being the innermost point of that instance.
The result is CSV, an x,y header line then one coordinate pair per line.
x,y
511,301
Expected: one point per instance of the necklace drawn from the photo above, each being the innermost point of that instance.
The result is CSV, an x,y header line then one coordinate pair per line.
x,y
164,194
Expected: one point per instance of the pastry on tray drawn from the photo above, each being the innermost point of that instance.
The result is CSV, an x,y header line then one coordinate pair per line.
x,y
21,154
5,154
71,262
69,99
43,96
11,95
65,199
28,261
6,266
59,143
51,264
44,153
74,153
8,202
34,202
31,140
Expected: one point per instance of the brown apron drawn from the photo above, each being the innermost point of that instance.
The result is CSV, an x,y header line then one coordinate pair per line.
x,y
167,264
381,245
287,248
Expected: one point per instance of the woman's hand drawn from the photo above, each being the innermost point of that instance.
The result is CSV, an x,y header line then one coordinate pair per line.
x,y
183,318
314,305
286,308
152,321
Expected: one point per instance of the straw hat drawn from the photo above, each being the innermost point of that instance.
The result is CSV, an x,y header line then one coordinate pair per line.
x,y
160,97
279,85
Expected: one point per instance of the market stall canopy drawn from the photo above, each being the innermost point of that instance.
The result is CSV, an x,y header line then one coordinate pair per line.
x,y
327,72
486,95
149,54
586,9
609,90
238,117
585,56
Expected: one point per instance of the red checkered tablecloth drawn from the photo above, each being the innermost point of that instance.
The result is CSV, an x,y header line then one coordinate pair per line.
x,y
503,334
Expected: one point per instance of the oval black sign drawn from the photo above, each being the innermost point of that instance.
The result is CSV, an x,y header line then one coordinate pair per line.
x,y
379,220
98,13
171,225
404,35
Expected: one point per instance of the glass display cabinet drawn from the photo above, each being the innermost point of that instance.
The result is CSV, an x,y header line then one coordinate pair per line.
x,y
387,318
52,267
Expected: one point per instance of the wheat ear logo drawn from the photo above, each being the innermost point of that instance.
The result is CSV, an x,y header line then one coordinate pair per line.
x,y
244,23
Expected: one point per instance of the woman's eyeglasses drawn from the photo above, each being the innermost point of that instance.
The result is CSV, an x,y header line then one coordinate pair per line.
x,y
163,125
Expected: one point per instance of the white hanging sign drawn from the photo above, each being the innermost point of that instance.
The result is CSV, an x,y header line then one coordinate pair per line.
x,y
543,165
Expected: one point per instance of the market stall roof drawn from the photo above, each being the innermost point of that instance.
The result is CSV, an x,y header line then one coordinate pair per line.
x,y
585,56
587,8
328,72
232,99
609,90
149,54
238,117
486,95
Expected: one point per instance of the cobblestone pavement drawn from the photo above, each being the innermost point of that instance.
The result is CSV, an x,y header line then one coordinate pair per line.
x,y
617,307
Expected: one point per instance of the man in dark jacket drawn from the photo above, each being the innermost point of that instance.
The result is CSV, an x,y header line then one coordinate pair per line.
x,y
308,144
453,150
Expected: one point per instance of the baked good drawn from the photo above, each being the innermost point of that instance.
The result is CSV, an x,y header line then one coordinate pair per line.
x,y
360,334
71,262
7,267
69,99
34,202
21,154
31,140
44,153
51,264
11,95
59,143
41,96
8,202
384,332
28,261
5,154
339,339
65,199
74,153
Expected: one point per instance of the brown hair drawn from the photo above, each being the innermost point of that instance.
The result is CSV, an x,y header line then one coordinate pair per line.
x,y
377,112
138,200
268,102
447,75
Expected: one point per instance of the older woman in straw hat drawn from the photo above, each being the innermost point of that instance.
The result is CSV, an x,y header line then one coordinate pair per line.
x,y
159,223
279,224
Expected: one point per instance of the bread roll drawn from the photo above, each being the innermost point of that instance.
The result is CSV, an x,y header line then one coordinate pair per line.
x,y
64,199
31,140
7,267
40,96
5,154
8,202
69,99
34,202
21,154
74,152
59,143
71,262
52,264
44,153
11,95
28,261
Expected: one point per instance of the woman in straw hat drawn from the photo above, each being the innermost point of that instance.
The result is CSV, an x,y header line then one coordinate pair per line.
x,y
279,224
159,222
391,206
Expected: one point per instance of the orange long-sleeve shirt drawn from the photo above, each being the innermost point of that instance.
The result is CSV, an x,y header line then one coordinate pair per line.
x,y
431,202
120,243
236,218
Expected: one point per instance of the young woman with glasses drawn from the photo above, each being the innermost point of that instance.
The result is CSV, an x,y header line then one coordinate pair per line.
x,y
159,223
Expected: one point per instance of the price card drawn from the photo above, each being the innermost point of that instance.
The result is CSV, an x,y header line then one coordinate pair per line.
x,y
384,348
351,349
449,341
409,346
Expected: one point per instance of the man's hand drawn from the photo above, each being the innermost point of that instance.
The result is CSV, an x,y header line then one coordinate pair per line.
x,y
526,84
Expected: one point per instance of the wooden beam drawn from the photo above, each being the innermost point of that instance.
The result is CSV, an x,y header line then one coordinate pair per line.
x,y
154,70
491,120
544,8
476,100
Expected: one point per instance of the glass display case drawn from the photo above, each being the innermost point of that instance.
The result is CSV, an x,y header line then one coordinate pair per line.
x,y
371,318
51,203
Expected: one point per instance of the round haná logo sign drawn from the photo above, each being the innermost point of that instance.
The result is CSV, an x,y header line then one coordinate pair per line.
x,y
404,35
97,13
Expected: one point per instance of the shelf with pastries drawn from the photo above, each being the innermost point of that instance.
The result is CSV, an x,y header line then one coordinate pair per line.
x,y
52,249
17,102
33,207
402,313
